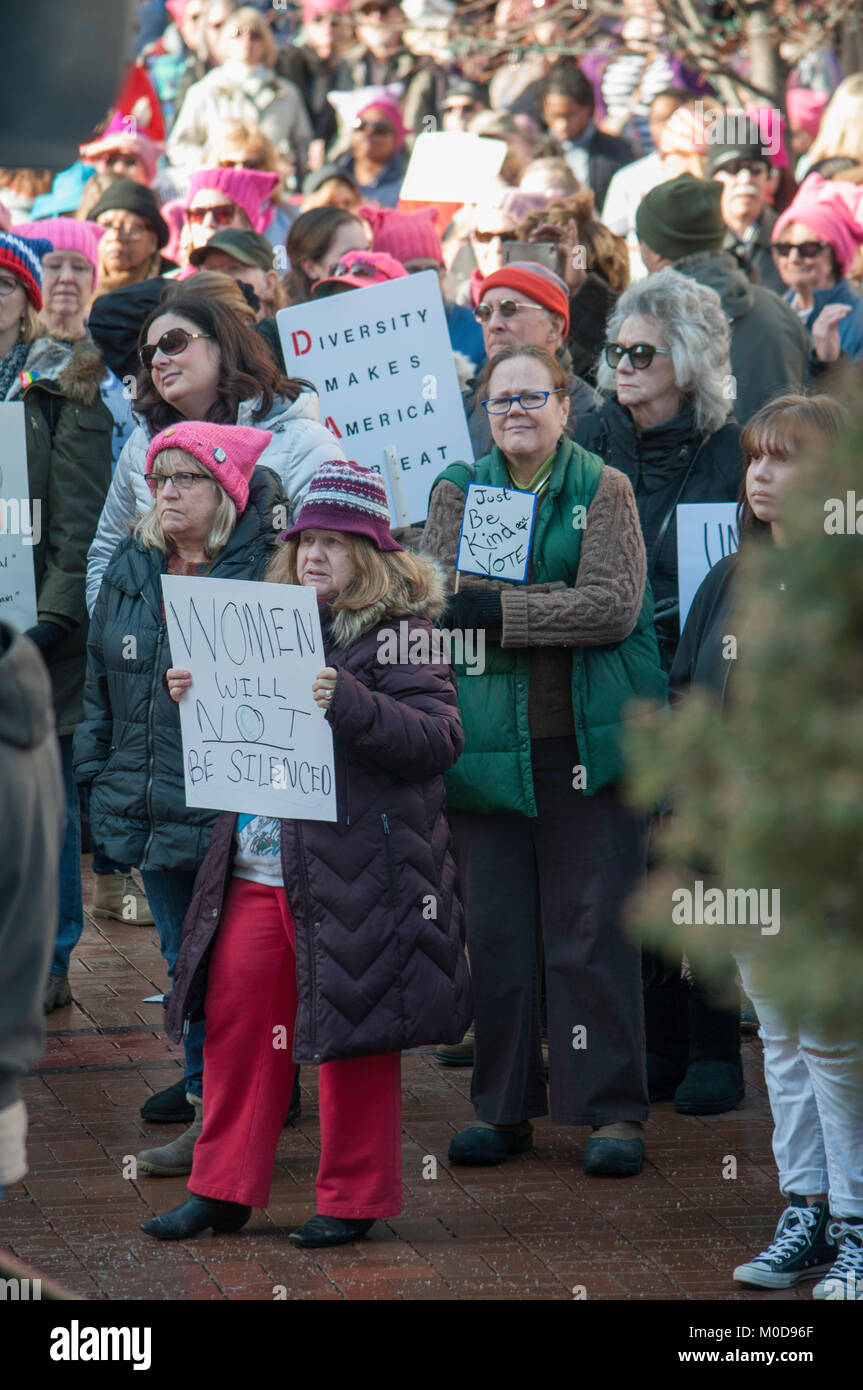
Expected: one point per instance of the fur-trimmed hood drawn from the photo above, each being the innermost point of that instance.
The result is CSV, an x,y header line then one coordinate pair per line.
x,y
74,368
427,601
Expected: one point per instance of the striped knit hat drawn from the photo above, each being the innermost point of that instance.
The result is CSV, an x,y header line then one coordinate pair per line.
x,y
22,257
347,496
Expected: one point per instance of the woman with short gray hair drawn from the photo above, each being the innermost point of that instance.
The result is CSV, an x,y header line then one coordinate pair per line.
x,y
667,421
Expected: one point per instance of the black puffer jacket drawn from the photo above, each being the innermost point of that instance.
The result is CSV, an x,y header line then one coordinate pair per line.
x,y
667,465
374,895
128,746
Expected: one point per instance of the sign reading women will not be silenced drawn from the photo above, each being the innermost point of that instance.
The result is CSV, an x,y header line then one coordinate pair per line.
x,y
382,363
254,740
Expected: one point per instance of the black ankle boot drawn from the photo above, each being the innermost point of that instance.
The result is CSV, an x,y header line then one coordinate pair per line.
x,y
196,1215
328,1230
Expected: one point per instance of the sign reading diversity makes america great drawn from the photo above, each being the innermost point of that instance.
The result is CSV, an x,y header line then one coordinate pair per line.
x,y
381,361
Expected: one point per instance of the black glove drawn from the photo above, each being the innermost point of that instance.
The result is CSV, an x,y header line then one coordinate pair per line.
x,y
472,608
47,636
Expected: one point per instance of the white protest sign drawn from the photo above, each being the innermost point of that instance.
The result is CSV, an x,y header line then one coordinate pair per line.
x,y
453,166
20,522
496,528
381,361
253,738
706,532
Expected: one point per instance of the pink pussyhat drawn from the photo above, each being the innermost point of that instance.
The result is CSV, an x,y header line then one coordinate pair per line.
x,y
122,135
805,109
823,205
68,234
313,9
405,235
229,452
389,109
251,189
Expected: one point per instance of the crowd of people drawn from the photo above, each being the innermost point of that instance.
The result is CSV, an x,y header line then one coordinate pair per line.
x,y
642,315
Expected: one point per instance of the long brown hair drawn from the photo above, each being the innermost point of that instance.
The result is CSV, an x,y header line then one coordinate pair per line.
x,y
308,238
246,371
781,427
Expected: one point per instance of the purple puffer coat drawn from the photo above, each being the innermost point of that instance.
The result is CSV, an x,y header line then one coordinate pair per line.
x,y
374,895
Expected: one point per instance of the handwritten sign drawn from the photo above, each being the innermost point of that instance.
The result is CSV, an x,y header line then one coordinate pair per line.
x,y
496,528
253,738
20,521
381,361
706,532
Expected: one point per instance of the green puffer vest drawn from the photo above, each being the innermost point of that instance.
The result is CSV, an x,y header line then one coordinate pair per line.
x,y
494,772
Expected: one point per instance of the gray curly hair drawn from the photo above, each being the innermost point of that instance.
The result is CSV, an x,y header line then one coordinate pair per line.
x,y
697,332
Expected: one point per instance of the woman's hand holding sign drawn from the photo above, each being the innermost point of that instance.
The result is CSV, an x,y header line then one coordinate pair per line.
x,y
178,681
323,686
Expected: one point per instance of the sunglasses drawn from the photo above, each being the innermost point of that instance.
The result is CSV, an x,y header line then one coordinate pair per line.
x,y
640,354
183,481
806,250
508,308
751,166
127,161
237,164
172,343
366,270
124,231
528,400
222,214
374,127
245,32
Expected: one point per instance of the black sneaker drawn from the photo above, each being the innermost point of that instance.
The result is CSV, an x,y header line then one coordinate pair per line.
x,y
801,1249
845,1279
169,1107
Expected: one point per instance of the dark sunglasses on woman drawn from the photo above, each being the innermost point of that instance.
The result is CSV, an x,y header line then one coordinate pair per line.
x,y
806,250
171,343
640,354
374,127
222,214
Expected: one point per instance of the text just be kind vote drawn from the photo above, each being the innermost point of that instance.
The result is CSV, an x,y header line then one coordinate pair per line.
x,y
237,634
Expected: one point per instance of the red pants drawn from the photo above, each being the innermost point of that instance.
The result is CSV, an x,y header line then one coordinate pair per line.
x,y
251,1008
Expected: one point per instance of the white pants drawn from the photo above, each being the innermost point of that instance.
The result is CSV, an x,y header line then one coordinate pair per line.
x,y
817,1104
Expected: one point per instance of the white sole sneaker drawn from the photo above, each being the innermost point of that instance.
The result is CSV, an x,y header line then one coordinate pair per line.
x,y
760,1278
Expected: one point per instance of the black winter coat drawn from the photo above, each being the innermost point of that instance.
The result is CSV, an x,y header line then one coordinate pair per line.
x,y
699,659
667,465
128,747
374,895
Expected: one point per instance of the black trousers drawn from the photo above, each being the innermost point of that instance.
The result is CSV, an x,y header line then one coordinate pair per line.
x,y
691,1020
559,882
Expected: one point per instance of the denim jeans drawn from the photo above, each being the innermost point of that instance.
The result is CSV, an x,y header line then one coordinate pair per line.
x,y
169,893
816,1101
71,908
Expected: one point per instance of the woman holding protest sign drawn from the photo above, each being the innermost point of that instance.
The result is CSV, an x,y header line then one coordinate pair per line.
x,y
346,936
211,513
546,849
199,361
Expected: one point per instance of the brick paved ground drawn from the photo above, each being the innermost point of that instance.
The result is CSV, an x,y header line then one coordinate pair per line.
x,y
534,1228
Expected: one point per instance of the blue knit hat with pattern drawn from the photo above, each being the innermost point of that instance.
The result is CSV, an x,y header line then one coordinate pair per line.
x,y
22,257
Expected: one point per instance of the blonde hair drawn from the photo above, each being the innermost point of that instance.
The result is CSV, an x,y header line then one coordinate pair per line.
x,y
32,326
149,530
247,14
394,581
213,284
841,129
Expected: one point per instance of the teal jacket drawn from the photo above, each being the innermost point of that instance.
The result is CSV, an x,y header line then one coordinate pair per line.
x,y
494,773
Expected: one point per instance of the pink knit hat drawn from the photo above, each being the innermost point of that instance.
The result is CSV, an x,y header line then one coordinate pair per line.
x,y
405,235
251,189
119,137
312,9
347,496
229,452
389,109
826,207
805,109
67,234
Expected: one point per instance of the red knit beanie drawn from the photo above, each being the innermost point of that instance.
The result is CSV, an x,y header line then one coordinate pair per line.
x,y
535,281
405,235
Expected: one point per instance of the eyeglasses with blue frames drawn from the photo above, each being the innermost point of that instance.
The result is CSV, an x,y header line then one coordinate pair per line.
x,y
640,354
528,400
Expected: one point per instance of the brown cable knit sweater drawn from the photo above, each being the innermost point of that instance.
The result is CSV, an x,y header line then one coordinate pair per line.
x,y
602,607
